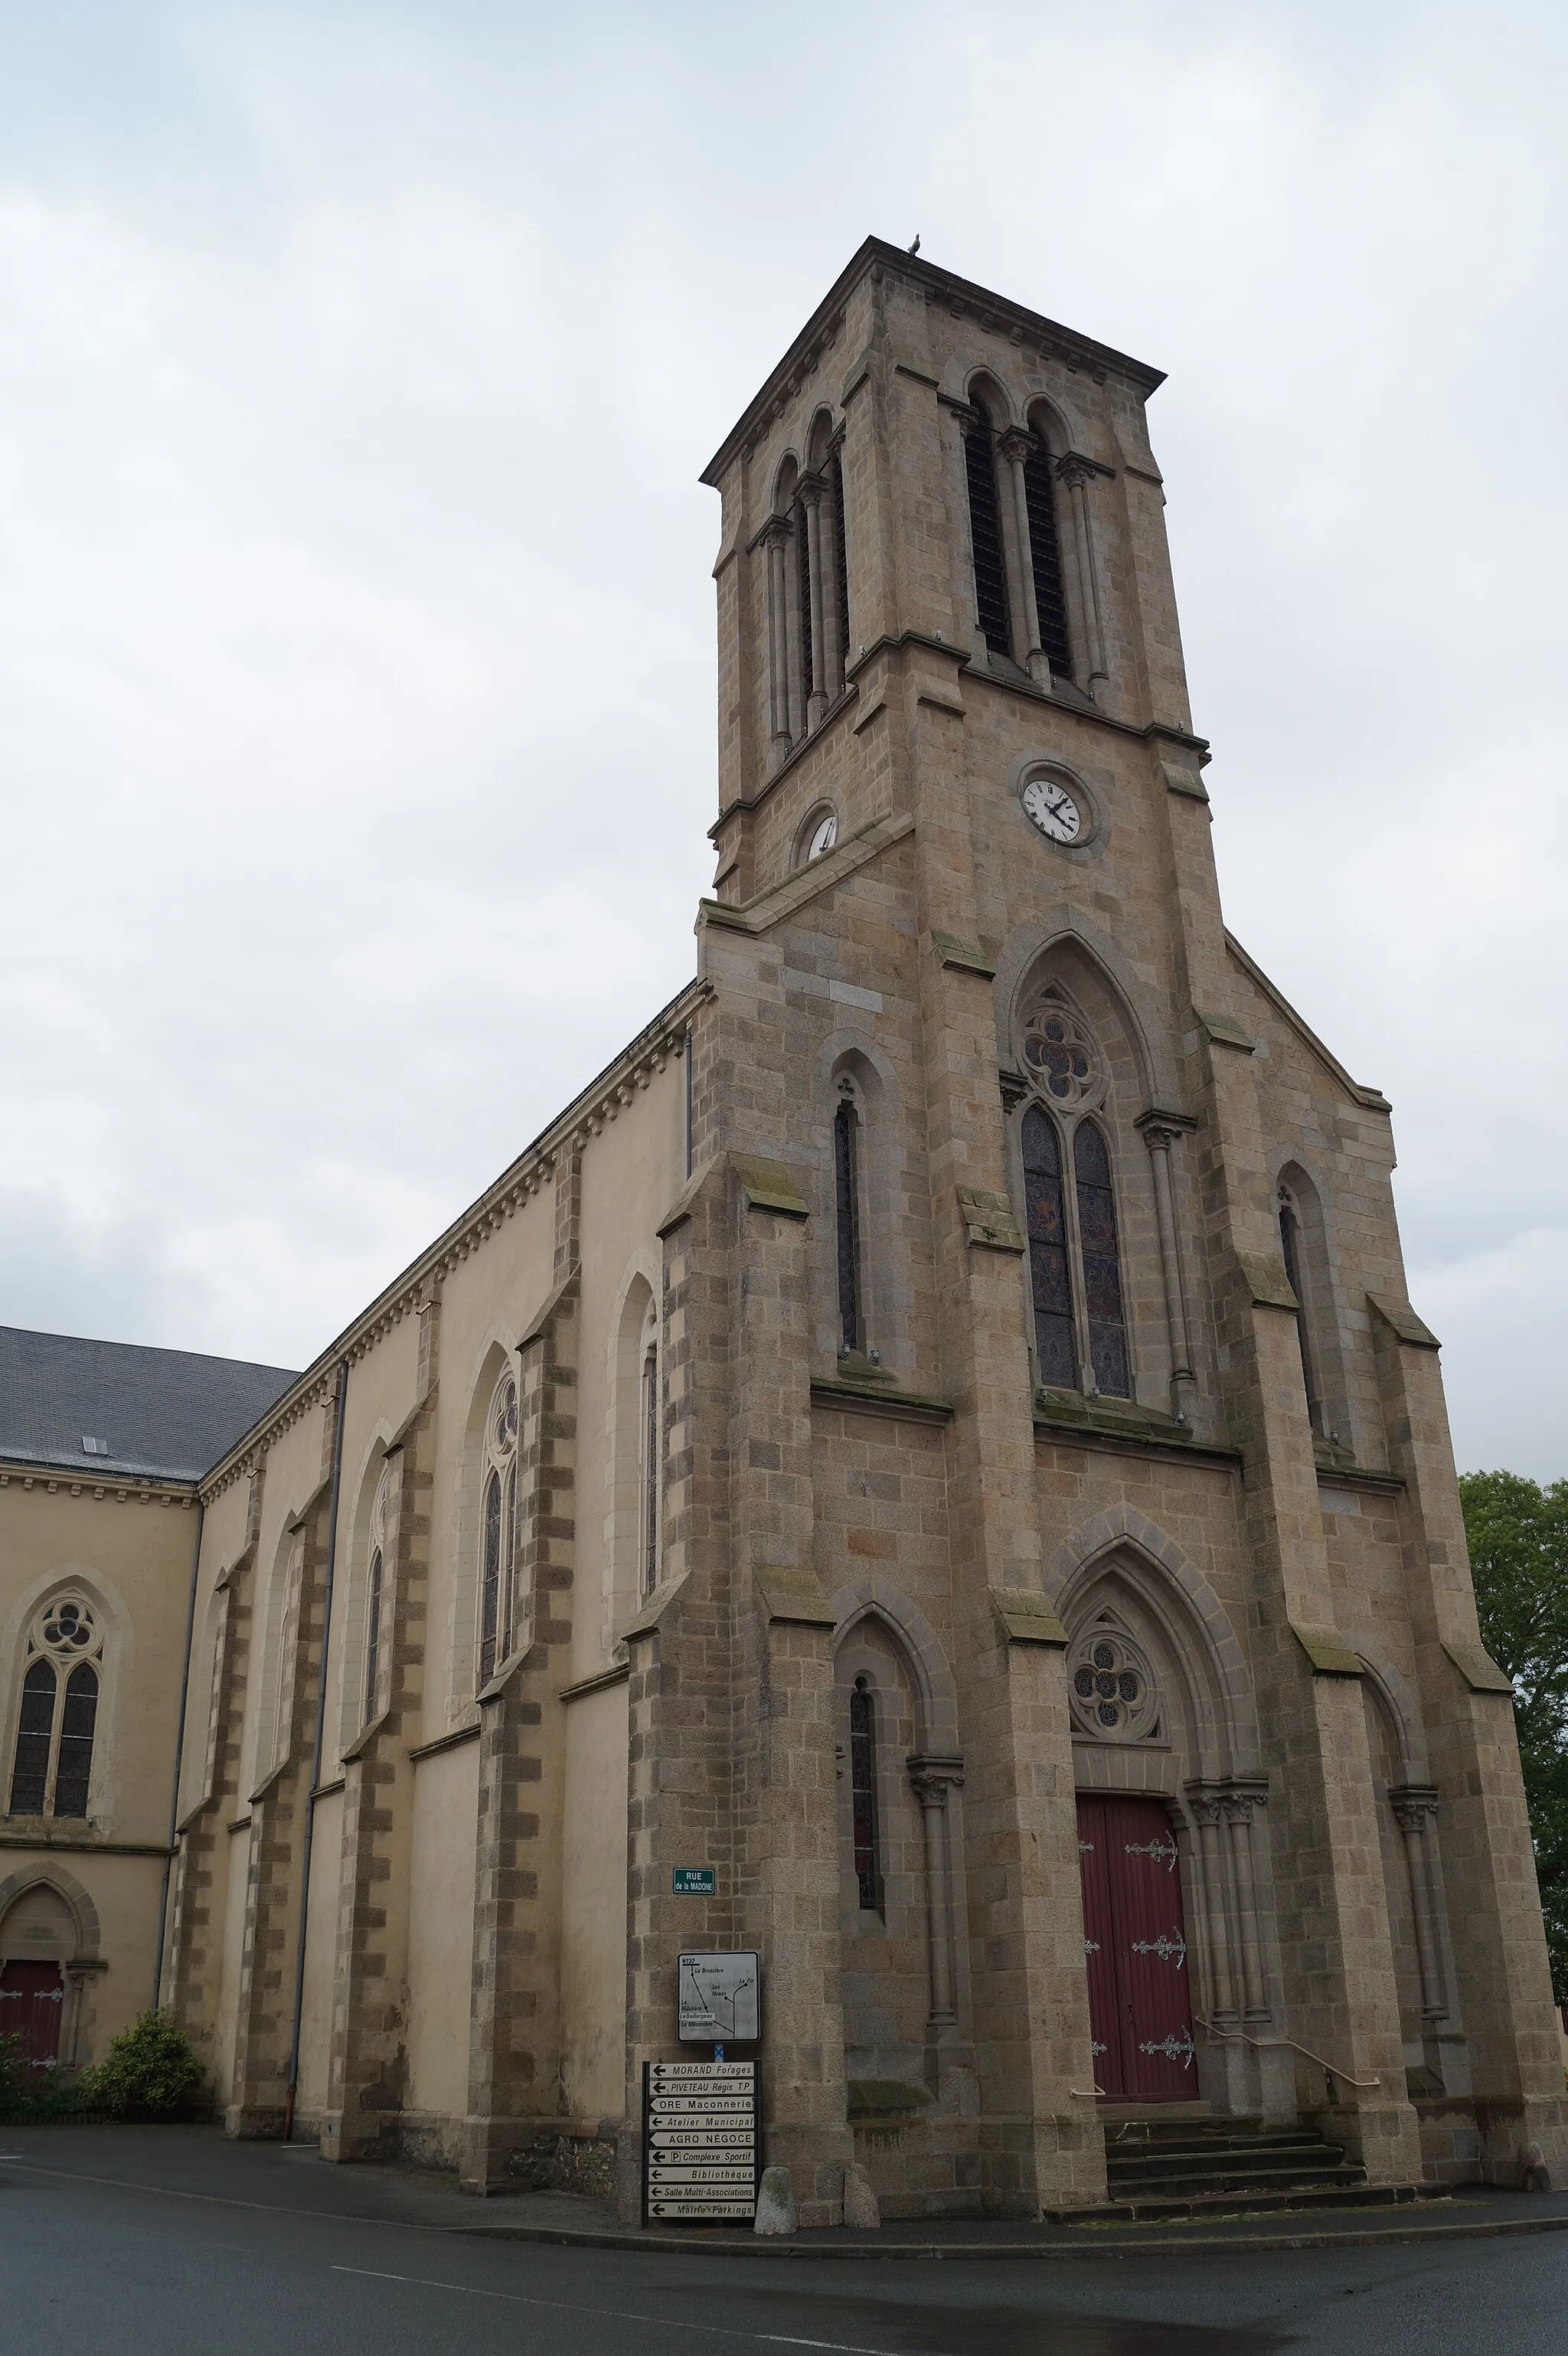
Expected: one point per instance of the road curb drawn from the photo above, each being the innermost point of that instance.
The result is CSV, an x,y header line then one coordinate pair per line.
x,y
699,2243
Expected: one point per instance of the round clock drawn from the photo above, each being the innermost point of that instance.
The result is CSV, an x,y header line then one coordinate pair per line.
x,y
1049,805
824,835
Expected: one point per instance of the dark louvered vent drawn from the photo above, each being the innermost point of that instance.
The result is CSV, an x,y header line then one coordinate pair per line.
x,y
986,534
1045,548
835,476
803,554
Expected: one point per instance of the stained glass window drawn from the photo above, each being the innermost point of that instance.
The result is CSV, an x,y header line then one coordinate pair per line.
x,y
490,1600
74,1768
1290,1251
650,1483
863,1795
35,1735
52,1769
372,1633
497,1533
1102,1272
1046,1212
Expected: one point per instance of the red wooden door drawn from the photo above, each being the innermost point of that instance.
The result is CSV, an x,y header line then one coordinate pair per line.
x,y
1140,2007
32,2003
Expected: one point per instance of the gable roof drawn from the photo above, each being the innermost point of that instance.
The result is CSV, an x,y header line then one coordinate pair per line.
x,y
159,1414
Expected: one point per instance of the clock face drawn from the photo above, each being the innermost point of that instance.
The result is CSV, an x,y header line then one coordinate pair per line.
x,y
1053,809
824,835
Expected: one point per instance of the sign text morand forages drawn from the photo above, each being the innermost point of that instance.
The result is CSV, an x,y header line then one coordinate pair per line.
x,y
699,2142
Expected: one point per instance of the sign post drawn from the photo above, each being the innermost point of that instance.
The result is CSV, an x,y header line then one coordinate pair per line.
x,y
700,2143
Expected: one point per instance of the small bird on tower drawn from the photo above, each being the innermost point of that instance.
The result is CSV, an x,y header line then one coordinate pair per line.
x,y
915,247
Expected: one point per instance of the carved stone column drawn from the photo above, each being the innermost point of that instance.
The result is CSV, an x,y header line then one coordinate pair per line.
x,y
932,1779
813,624
1160,1132
1015,449
776,541
1237,1806
1078,472
1414,1812
1207,1808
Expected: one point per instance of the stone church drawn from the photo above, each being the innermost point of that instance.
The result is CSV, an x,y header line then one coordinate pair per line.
x,y
933,1441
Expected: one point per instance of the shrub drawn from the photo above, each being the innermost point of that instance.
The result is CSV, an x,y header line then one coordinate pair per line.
x,y
31,2091
149,2068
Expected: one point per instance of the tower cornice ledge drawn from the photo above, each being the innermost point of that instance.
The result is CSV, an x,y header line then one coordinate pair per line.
x,y
1031,329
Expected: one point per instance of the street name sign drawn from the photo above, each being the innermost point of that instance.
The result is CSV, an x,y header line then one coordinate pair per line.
x,y
700,2143
692,1880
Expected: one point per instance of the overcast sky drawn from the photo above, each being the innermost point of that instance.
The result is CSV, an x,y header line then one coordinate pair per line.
x,y
357,367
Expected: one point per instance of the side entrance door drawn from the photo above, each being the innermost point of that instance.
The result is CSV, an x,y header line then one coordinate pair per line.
x,y
32,2004
1140,2005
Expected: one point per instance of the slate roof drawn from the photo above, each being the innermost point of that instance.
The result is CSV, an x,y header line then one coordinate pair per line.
x,y
159,1414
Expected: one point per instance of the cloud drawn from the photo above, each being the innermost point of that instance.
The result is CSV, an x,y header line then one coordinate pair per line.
x,y
355,628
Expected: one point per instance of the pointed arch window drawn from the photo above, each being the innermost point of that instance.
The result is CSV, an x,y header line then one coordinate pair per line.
x,y
375,1582
1291,1254
497,1537
52,1771
863,1795
846,1220
1074,1253
649,1456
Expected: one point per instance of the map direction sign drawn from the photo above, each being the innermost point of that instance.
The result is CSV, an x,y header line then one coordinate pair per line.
x,y
700,2143
719,1999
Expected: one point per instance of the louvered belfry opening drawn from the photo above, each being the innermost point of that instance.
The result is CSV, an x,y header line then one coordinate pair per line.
x,y
841,562
986,537
1045,553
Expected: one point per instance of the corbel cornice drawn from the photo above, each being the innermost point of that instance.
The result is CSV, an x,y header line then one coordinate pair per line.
x,y
587,1116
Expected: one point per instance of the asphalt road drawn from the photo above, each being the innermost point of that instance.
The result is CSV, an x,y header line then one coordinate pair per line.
x,y
114,2241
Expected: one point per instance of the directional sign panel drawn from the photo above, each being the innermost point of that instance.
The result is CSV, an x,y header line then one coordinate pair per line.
x,y
719,1999
700,2143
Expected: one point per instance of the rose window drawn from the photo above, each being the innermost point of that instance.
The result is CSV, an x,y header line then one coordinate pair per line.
x,y
1111,1691
1061,1059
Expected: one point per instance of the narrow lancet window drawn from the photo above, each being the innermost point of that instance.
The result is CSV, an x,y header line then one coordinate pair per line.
x,y
841,566
649,1513
1102,1268
863,1797
372,1634
73,1771
1045,558
847,1207
35,1737
498,1511
986,539
1290,1252
1055,1346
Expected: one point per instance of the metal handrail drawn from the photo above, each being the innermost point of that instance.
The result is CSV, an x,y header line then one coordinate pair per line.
x,y
1238,2036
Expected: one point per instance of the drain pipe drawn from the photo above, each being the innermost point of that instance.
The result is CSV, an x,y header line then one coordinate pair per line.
x,y
179,1756
316,1756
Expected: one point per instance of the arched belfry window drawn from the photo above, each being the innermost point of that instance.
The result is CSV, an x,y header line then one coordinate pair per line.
x,y
807,627
497,1532
846,1212
987,546
1080,1319
863,1795
375,1584
650,1456
1045,554
52,1765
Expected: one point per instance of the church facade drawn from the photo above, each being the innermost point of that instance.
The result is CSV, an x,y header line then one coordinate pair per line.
x,y
934,1440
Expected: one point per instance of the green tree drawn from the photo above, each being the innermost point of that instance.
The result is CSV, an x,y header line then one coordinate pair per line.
x,y
1517,1535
